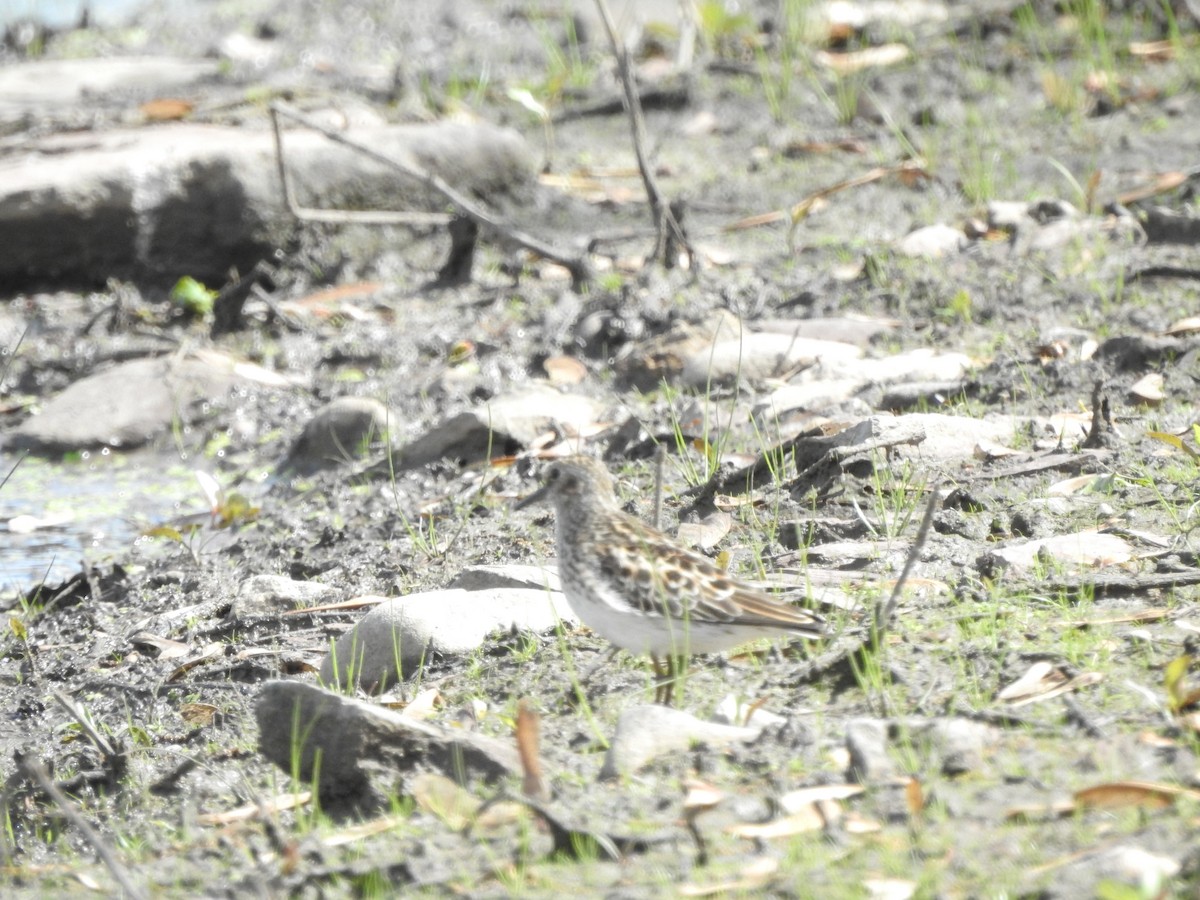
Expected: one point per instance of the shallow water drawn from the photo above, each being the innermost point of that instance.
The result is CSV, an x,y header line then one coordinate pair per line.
x,y
53,515
67,13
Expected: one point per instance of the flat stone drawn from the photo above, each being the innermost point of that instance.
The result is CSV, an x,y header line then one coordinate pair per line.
x,y
502,425
341,431
126,405
391,641
866,742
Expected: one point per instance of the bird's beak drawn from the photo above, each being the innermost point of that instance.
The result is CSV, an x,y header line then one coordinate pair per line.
x,y
536,497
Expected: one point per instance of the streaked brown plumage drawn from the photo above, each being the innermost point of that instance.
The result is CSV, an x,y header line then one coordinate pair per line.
x,y
642,591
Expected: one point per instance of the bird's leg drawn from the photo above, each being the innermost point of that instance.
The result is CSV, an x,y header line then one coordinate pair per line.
x,y
663,681
666,674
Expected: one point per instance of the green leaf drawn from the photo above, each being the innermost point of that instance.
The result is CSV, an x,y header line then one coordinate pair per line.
x,y
169,532
1173,677
17,627
193,296
1175,441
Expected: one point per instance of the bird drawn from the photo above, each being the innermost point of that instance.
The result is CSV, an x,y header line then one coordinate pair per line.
x,y
642,591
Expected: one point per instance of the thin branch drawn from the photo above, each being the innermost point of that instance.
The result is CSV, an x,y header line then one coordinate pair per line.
x,y
671,235
338,216
577,264
884,611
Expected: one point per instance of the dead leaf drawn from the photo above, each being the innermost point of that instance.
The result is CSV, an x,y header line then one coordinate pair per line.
x,y
1123,794
211,652
249,811
914,797
332,301
166,109
1083,484
424,705
1033,681
854,823
1148,389
198,714
1089,549
798,799
355,603
564,370
754,875
167,648
700,796
1043,681
1188,325
804,819
532,784
990,450
1167,181
1152,51
1146,615
868,58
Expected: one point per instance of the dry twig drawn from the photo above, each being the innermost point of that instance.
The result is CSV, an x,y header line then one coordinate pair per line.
x,y
577,264
671,236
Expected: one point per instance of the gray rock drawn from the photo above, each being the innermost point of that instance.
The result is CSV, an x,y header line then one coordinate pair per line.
x,y
392,640
646,732
958,743
124,406
757,356
356,752
153,203
341,431
866,742
515,418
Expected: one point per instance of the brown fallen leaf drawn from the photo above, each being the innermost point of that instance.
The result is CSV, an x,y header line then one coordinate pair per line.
x,y
532,784
166,109
1141,794
1167,181
868,58
564,370
198,714
249,811
914,798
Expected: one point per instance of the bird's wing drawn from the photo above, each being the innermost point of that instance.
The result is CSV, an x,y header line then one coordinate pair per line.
x,y
660,578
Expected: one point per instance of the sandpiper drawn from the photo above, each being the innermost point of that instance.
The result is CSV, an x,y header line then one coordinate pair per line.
x,y
642,591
